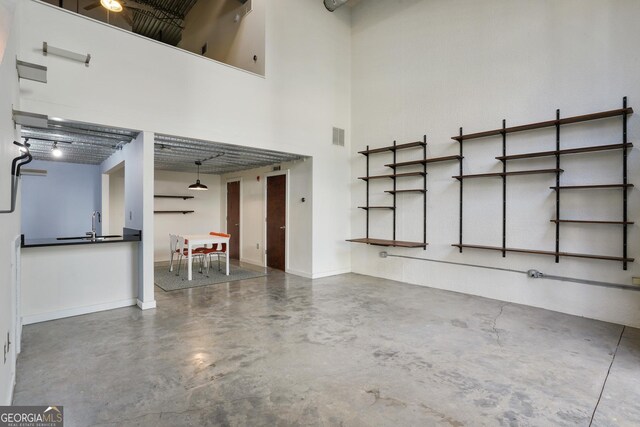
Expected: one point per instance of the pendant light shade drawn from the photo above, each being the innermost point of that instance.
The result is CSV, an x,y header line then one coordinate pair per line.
x,y
197,186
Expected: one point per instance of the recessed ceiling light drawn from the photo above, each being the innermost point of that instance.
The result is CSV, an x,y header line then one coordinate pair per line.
x,y
111,5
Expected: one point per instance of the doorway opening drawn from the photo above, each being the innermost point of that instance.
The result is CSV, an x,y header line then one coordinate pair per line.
x,y
233,218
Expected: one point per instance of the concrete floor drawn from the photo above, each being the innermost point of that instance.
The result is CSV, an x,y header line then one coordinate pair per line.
x,y
346,350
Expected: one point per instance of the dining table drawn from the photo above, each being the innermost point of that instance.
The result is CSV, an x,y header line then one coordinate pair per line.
x,y
198,240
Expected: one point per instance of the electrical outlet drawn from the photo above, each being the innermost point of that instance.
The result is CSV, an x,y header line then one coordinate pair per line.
x,y
635,281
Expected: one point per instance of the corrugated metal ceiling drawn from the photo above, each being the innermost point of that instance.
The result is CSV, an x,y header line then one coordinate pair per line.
x,y
93,144
164,22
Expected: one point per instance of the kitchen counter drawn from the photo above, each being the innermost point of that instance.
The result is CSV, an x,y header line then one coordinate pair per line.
x,y
128,235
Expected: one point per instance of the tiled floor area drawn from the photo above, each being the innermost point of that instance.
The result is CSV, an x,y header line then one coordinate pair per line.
x,y
345,350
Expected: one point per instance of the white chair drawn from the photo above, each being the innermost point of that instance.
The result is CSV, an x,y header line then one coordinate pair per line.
x,y
173,249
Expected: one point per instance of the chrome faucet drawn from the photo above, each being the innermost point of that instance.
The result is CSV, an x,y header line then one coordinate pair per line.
x,y
94,215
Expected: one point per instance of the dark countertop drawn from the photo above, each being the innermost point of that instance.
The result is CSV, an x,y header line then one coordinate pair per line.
x,y
128,235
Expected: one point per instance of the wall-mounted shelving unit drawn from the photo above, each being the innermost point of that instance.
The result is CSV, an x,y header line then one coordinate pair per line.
x,y
168,196
395,165
558,188
395,191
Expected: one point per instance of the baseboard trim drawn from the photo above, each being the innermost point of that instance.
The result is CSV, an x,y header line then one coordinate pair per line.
x,y
299,273
331,273
76,311
146,305
252,262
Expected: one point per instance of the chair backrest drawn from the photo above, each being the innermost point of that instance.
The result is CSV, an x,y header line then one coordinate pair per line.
x,y
173,243
223,246
180,242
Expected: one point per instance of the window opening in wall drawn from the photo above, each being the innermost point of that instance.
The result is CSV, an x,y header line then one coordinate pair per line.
x,y
222,30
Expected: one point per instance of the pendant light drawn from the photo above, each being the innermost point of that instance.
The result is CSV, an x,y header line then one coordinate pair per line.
x,y
197,185
111,5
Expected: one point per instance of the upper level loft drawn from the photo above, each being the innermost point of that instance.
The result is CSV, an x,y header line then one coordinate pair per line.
x,y
228,31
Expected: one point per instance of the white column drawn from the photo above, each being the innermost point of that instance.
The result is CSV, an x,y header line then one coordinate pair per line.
x,y
146,297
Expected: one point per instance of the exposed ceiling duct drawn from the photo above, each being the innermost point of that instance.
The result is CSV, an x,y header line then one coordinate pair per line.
x,y
332,5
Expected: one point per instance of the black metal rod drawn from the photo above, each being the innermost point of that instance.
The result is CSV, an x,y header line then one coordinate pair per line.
x,y
394,191
424,194
461,188
557,185
504,189
624,181
367,205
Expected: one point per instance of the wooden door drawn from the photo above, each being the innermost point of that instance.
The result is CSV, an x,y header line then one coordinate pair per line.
x,y
233,218
276,220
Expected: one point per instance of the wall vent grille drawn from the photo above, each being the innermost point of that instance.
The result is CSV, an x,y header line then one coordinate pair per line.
x,y
338,137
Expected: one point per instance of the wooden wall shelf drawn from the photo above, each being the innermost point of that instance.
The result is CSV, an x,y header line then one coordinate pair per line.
x,y
595,186
173,212
566,151
162,196
552,253
394,148
583,221
405,191
375,207
422,162
392,176
391,243
546,124
503,174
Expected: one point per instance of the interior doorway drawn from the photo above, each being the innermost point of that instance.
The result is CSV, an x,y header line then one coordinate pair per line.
x,y
233,218
276,221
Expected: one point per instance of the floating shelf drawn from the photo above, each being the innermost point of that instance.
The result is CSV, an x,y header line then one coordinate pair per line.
x,y
488,175
546,124
173,212
405,191
392,176
162,196
376,207
551,253
582,221
392,243
566,151
416,144
425,161
596,186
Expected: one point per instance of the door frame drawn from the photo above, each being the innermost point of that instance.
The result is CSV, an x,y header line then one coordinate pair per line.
x,y
286,173
226,207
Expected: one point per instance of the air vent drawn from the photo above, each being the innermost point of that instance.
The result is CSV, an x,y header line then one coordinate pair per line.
x,y
338,137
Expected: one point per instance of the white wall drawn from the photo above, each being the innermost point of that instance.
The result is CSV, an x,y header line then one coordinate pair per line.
x,y
116,203
206,205
229,41
174,92
60,203
253,214
433,66
9,223
137,157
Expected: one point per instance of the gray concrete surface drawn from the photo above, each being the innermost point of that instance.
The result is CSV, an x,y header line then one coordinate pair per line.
x,y
346,350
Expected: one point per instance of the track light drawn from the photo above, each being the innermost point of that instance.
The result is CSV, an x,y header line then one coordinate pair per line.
x,y
55,151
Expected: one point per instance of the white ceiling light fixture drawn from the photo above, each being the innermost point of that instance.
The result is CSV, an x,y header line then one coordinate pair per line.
x,y
111,5
56,151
